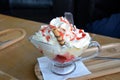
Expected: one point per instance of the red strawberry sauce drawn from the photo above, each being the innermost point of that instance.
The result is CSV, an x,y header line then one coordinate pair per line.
x,y
64,58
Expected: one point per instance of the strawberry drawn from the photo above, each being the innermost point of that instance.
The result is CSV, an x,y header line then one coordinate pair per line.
x,y
47,37
83,34
60,58
64,58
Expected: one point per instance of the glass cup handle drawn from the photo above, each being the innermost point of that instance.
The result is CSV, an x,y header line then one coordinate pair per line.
x,y
92,44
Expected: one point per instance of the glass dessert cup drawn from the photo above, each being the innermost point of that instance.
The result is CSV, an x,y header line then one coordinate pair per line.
x,y
63,68
64,63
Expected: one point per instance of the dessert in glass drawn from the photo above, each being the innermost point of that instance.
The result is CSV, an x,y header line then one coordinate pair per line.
x,y
63,44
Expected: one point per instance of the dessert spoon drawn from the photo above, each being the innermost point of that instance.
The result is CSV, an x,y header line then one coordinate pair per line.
x,y
107,58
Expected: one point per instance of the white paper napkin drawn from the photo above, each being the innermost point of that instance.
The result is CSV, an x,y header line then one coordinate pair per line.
x,y
44,63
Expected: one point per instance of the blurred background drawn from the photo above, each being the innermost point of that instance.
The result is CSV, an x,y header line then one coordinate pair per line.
x,y
85,12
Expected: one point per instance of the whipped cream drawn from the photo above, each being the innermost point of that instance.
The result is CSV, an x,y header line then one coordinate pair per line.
x,y
76,40
45,35
72,36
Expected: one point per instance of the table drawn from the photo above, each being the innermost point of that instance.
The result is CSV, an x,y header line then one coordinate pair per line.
x,y
19,59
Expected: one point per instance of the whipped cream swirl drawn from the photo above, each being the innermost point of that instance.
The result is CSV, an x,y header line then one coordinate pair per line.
x,y
72,36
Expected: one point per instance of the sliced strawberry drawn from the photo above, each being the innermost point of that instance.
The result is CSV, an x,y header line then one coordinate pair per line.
x,y
69,57
80,31
49,31
48,38
83,34
43,30
78,38
64,58
64,20
60,58
52,27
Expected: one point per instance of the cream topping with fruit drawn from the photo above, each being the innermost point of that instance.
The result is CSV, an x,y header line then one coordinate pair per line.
x,y
72,36
76,40
45,35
